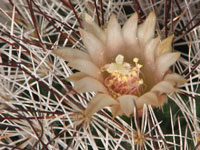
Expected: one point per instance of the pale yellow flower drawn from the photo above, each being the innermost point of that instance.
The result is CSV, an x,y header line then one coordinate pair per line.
x,y
125,66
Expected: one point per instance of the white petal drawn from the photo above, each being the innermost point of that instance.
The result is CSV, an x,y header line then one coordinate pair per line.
x,y
146,30
163,87
76,76
98,102
93,28
94,46
86,67
114,37
149,98
165,46
175,78
150,49
88,84
69,54
129,30
127,104
164,62
116,110
162,99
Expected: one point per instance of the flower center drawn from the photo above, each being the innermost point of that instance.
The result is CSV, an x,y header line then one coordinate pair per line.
x,y
123,78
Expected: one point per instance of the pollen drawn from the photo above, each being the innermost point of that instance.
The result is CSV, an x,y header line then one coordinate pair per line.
x,y
123,78
135,60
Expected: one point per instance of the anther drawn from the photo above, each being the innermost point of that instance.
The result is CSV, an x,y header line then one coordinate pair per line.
x,y
123,78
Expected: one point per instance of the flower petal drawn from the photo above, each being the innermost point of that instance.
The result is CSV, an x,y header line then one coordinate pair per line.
x,y
93,28
162,99
75,77
69,54
116,110
94,46
127,104
88,84
164,62
175,78
149,52
86,67
114,37
129,30
146,30
163,87
149,98
98,102
165,46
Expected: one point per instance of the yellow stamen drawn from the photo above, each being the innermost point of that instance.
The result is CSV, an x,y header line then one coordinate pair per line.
x,y
135,60
123,78
139,66
141,81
